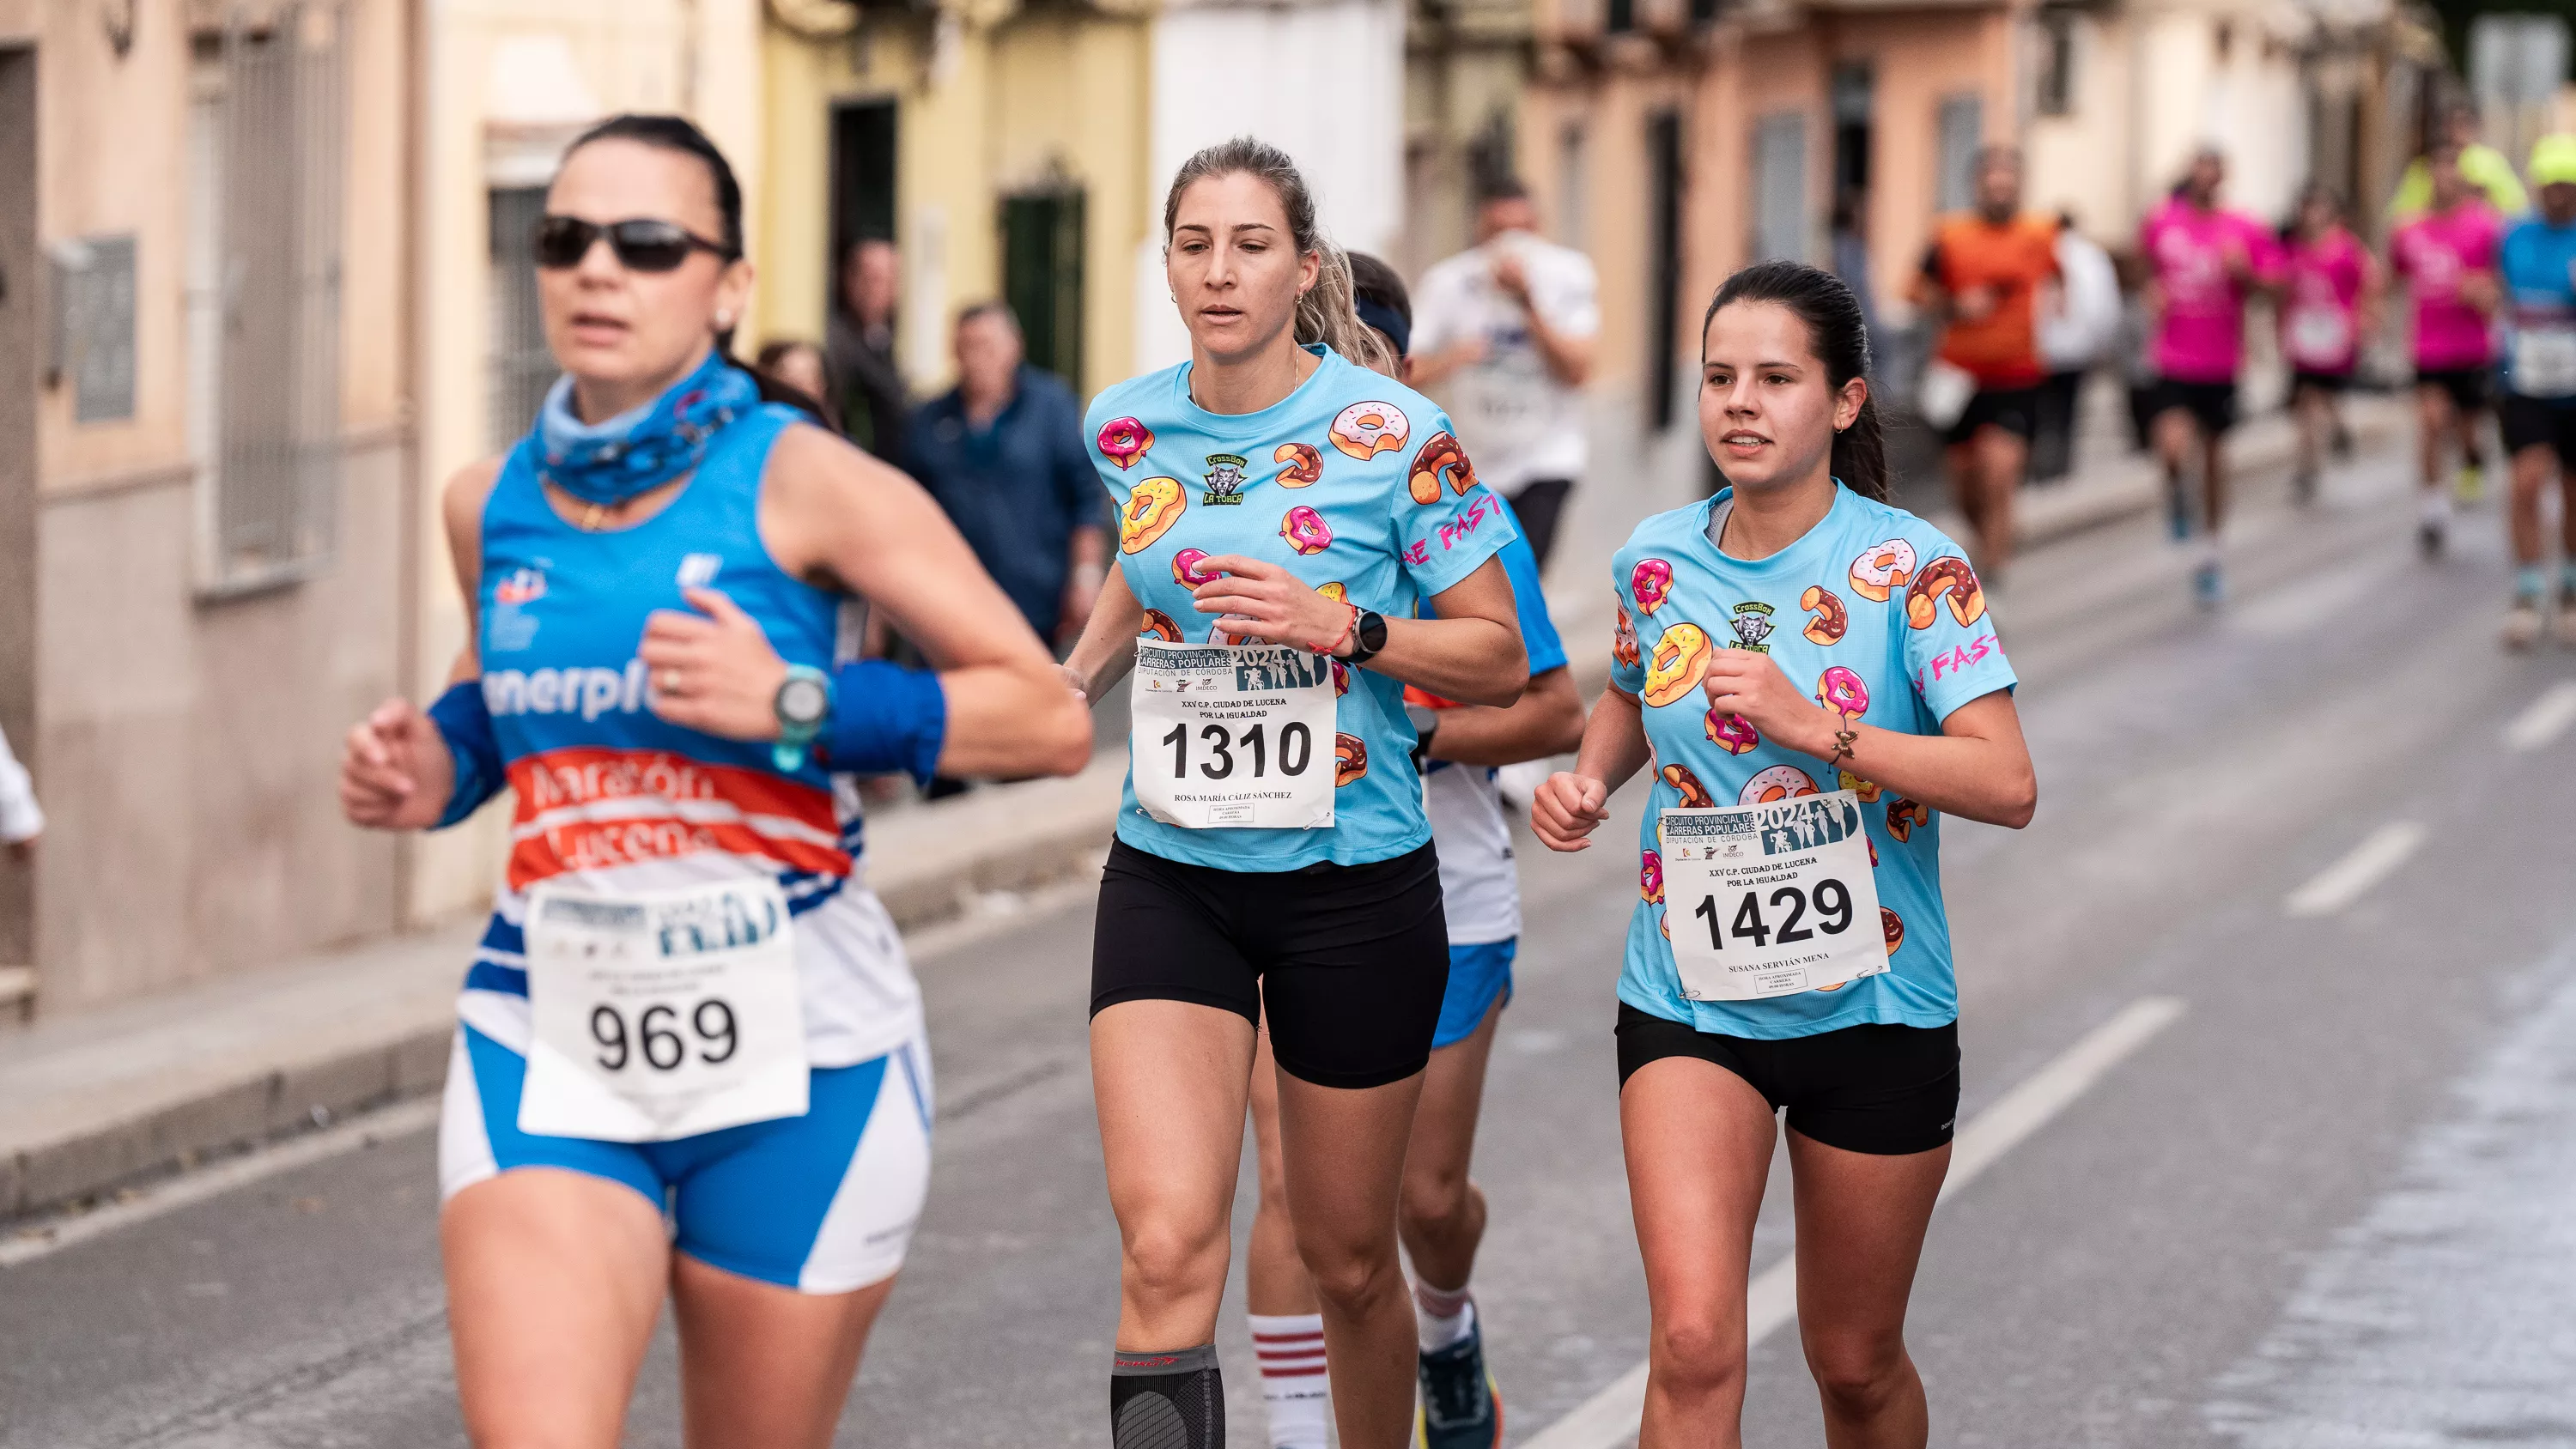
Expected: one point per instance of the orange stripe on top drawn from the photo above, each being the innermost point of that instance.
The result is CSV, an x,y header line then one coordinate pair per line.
x,y
657,805
2013,260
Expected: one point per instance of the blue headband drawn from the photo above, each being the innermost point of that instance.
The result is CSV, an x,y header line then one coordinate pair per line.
x,y
1389,321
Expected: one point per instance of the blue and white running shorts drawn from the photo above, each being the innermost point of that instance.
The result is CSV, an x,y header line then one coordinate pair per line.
x,y
822,1203
1477,975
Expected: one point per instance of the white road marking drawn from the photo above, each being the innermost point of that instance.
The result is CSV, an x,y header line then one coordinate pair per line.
x,y
1609,1418
2546,719
50,1235
2369,863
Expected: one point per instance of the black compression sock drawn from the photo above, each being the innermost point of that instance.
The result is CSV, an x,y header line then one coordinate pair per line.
x,y
1166,1400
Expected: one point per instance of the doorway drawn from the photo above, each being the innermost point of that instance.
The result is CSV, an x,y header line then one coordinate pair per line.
x,y
18,353
1042,276
863,180
1664,263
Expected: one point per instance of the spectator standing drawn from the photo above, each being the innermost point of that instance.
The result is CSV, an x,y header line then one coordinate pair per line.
x,y
1506,329
1851,260
1002,452
2073,336
21,818
1982,278
858,346
802,366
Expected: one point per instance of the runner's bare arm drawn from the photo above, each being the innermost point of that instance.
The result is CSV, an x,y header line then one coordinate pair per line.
x,y
395,771
1107,649
1546,720
1572,803
832,512
1472,653
1977,767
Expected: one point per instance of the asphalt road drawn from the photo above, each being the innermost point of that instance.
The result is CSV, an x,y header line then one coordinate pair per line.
x,y
2324,1207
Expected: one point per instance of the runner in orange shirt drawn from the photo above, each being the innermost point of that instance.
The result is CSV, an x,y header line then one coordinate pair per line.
x,y
1982,278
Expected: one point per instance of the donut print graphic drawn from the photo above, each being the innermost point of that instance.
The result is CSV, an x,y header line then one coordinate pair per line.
x,y
1946,579
1623,643
1695,795
1350,759
1903,815
1650,878
1299,464
1186,570
1124,440
1891,925
1862,790
1337,591
1680,662
1159,625
1650,583
1440,458
1732,733
1364,430
1841,691
1831,620
1780,782
1882,569
1152,508
1306,530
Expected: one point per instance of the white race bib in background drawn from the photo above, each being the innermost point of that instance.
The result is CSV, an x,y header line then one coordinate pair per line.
x,y
1769,900
662,1014
2319,336
1232,735
2544,361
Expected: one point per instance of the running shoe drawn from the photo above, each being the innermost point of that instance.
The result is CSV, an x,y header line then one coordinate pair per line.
x,y
2208,586
2471,484
2177,511
2430,535
1461,1408
2522,624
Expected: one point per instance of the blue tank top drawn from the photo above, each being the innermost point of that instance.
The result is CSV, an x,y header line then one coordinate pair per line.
x,y
611,797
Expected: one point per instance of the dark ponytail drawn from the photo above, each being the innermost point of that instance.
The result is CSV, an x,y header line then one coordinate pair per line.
x,y
1840,340
679,133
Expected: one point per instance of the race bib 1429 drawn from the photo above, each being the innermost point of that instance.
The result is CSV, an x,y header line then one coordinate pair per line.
x,y
1768,900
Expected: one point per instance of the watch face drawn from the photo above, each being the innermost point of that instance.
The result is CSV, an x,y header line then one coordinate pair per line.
x,y
1372,632
800,701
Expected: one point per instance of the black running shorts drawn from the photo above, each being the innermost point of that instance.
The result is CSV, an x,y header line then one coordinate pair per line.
x,y
2306,380
2013,409
2533,422
2211,404
2466,385
1885,1090
1351,959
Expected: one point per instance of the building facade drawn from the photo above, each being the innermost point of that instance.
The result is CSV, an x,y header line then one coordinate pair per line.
x,y
205,413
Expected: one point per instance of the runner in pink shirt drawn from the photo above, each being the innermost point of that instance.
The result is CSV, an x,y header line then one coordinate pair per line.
x,y
2330,296
2448,258
2205,263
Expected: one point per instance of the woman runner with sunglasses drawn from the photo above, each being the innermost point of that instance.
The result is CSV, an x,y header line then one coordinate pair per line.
x,y
1283,512
1814,674
689,1057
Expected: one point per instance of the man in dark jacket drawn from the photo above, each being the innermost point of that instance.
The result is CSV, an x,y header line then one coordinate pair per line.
x,y
858,342
1003,454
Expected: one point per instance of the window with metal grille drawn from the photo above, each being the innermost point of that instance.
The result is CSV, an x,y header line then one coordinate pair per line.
x,y
522,365
1780,220
270,109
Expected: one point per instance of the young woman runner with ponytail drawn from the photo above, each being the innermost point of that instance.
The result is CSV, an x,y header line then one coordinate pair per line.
x,y
1284,513
1816,677
689,1056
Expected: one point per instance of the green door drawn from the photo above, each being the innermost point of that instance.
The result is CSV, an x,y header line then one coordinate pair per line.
x,y
1042,276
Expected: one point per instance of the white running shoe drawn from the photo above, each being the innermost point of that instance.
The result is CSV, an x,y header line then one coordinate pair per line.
x,y
2522,624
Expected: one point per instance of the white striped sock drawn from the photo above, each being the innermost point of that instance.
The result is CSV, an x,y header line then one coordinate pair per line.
x,y
1293,1385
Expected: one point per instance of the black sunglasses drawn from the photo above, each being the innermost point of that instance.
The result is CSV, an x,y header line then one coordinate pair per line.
x,y
642,245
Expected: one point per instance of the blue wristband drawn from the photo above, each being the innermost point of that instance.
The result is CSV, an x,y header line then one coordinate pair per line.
x,y
885,719
466,724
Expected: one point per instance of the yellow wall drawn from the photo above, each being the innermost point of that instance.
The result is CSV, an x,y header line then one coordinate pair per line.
x,y
1014,103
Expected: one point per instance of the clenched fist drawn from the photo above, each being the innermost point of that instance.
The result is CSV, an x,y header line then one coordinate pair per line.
x,y
1567,808
395,771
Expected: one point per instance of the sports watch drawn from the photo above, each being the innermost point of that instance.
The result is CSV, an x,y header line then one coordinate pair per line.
x,y
803,703
1367,637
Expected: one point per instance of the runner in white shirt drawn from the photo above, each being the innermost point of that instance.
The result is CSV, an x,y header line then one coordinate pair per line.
x,y
1504,331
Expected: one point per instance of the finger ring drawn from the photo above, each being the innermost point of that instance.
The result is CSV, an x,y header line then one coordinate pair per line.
x,y
670,681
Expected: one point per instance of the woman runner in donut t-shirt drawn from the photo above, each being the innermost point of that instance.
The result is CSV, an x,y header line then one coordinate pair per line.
x,y
1814,674
1283,516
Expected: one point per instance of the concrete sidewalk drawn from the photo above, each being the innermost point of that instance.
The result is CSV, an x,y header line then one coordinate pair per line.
x,y
96,1101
